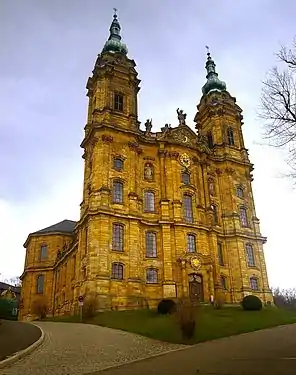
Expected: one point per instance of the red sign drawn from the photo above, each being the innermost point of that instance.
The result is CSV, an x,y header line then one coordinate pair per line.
x,y
80,299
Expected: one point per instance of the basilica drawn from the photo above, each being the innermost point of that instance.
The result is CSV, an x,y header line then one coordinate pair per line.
x,y
166,214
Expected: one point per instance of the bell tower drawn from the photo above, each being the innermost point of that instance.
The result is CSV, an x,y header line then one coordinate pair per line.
x,y
113,87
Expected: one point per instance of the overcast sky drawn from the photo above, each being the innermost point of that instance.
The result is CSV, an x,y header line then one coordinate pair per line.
x,y
48,49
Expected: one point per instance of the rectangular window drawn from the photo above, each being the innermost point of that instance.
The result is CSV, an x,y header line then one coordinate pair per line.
x,y
43,252
243,217
187,206
117,237
118,192
223,282
150,245
151,276
250,255
149,201
117,271
191,243
254,283
118,102
40,284
220,254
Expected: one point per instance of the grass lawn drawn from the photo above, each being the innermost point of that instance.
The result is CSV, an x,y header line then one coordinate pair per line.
x,y
210,323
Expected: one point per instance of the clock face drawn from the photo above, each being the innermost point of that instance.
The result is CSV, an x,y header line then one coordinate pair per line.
x,y
185,160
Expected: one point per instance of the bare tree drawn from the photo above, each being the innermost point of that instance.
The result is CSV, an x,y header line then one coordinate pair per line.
x,y
278,104
15,281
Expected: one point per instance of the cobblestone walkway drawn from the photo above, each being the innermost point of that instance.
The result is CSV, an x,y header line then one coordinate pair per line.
x,y
72,348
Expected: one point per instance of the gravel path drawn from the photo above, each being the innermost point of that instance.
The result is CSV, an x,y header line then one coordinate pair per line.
x,y
73,348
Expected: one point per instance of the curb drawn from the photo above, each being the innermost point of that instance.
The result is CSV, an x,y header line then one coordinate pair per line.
x,y
22,353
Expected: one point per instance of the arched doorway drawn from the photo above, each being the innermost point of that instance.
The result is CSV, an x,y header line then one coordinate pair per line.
x,y
196,292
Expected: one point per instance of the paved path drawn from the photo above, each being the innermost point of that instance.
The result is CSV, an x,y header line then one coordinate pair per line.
x,y
267,352
25,333
73,348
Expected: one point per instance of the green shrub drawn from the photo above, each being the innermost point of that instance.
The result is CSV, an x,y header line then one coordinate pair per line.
x,y
166,306
90,306
251,303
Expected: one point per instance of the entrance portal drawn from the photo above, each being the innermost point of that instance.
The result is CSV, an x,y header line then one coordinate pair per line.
x,y
196,292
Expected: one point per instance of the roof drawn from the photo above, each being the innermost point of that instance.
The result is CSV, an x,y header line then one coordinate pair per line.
x,y
65,226
5,286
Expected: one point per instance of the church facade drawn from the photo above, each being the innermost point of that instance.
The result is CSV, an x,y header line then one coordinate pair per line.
x,y
167,214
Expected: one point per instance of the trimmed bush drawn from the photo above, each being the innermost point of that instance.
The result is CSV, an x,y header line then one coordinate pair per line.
x,y
39,307
251,303
166,306
90,306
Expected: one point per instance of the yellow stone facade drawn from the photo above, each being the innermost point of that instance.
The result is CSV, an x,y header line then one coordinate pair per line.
x,y
203,237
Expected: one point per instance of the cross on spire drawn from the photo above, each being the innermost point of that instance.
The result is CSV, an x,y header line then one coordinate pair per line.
x,y
115,12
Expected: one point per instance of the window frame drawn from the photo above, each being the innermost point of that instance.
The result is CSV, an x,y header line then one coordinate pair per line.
x,y
250,255
120,240
210,139
150,240
188,209
241,189
147,201
41,255
119,271
40,289
214,209
118,159
243,218
118,197
220,253
118,105
254,278
191,249
223,282
154,272
230,136
187,174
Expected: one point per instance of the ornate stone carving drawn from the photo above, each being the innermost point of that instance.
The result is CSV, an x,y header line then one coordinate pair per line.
x,y
162,153
135,147
107,138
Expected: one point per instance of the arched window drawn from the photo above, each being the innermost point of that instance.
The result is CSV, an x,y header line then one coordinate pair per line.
x,y
187,207
43,252
250,255
243,216
220,254
117,237
118,164
117,271
230,136
151,276
223,280
254,284
149,201
215,214
191,243
239,192
117,192
210,139
40,284
148,172
211,186
185,177
151,250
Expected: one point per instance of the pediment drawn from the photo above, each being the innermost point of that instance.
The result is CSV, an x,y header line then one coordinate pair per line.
x,y
181,134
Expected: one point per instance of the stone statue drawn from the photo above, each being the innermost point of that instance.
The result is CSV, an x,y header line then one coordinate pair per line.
x,y
148,172
148,126
181,117
166,128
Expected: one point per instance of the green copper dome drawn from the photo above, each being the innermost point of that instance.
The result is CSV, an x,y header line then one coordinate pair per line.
x,y
213,82
114,43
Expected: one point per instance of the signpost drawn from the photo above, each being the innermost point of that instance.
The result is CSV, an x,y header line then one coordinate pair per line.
x,y
80,304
